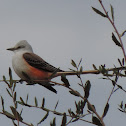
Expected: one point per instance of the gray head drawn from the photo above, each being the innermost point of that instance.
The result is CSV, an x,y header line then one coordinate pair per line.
x,y
23,46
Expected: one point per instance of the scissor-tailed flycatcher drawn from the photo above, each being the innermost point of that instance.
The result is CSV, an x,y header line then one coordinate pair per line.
x,y
29,66
32,68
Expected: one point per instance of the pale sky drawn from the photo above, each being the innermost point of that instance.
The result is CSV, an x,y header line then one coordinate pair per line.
x,y
58,32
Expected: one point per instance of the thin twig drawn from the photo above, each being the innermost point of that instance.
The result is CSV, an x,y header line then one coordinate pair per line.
x,y
100,118
113,24
16,119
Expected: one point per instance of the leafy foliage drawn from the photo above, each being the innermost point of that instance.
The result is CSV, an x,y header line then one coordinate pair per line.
x,y
83,107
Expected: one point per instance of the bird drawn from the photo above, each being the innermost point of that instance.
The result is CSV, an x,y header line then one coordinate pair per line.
x,y
31,67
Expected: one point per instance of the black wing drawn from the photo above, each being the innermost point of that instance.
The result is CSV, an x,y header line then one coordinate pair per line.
x,y
37,62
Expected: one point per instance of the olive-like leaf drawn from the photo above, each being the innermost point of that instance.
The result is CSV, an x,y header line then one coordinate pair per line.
x,y
106,110
9,115
94,67
36,102
16,114
53,123
10,74
80,62
64,120
121,105
15,95
45,117
123,33
22,100
56,105
81,69
75,93
27,98
76,119
73,63
43,102
14,86
99,12
123,61
65,80
87,89
120,62
2,100
90,107
96,121
112,12
8,92
115,40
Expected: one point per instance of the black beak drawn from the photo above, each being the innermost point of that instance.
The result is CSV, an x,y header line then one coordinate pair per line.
x,y
11,49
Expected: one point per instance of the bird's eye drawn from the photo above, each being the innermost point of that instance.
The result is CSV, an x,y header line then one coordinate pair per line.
x,y
19,47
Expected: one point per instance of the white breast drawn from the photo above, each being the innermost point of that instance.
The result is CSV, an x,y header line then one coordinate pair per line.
x,y
19,64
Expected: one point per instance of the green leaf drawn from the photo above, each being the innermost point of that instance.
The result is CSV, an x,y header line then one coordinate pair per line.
x,y
43,102
81,69
31,124
53,123
123,33
120,62
14,86
73,63
115,40
121,105
27,98
56,105
99,12
80,62
64,120
45,117
21,111
8,92
94,67
76,119
16,114
72,113
106,110
113,82
96,121
80,106
9,115
116,78
112,12
15,95
77,107
119,86
2,100
87,89
123,61
90,108
22,100
65,80
4,79
57,113
10,74
36,102
75,93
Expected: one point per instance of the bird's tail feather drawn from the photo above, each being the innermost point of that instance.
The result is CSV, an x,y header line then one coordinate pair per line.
x,y
48,86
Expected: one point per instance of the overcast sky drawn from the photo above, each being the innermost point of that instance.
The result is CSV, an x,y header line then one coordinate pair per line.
x,y
58,32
